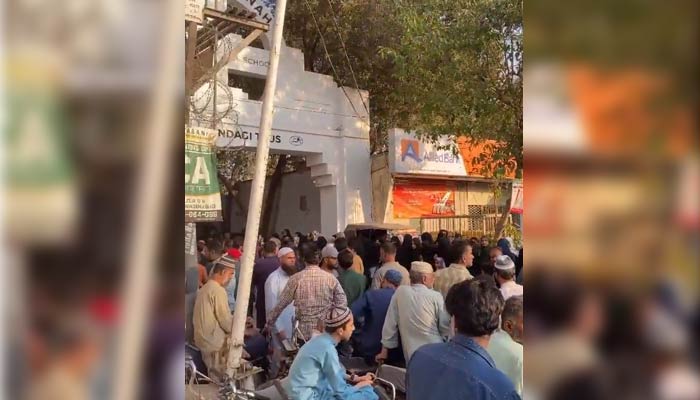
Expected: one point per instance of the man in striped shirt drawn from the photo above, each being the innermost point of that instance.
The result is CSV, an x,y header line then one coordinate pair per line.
x,y
313,292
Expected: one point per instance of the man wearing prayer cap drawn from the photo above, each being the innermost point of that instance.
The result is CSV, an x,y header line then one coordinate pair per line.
x,y
416,313
313,292
212,315
505,276
274,285
317,373
394,277
329,259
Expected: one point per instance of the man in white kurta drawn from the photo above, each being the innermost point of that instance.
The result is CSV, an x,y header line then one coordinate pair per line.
x,y
417,313
274,285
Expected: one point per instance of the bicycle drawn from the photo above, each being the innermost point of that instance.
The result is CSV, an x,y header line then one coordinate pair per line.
x,y
226,389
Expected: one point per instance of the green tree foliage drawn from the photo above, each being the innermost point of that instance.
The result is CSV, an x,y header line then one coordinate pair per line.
x,y
353,32
442,68
459,68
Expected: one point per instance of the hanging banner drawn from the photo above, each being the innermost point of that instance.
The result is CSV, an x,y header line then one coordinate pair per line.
x,y
415,199
516,202
42,201
190,239
202,197
194,10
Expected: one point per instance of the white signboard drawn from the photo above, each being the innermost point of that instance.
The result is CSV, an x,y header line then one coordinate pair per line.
x,y
259,10
250,61
194,10
516,197
190,238
409,155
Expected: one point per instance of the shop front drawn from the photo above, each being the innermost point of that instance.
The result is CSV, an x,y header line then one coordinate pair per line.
x,y
432,187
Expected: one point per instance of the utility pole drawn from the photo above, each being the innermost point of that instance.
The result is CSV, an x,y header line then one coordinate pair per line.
x,y
256,197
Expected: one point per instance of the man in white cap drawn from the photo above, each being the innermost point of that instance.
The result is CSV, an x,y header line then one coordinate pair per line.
x,y
317,373
274,285
329,259
212,315
313,291
505,276
416,313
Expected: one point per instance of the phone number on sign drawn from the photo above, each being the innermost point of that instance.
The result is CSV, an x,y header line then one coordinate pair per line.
x,y
202,214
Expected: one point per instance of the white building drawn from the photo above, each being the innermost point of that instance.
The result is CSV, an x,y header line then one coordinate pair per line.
x,y
313,117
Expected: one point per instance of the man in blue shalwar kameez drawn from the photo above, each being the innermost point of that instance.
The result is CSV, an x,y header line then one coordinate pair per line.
x,y
317,373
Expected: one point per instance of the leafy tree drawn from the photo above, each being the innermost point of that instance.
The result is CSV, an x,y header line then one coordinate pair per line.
x,y
459,69
441,68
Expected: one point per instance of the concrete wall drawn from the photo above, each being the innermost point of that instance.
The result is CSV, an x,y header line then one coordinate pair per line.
x,y
289,215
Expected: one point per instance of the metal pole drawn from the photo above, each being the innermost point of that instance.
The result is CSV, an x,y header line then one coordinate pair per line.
x,y
256,196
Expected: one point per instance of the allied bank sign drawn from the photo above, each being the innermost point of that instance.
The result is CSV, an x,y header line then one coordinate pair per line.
x,y
408,155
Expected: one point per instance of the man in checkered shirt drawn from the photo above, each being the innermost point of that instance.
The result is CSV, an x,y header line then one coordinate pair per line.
x,y
313,292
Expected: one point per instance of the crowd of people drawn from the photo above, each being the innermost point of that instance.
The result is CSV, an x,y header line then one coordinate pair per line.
x,y
449,311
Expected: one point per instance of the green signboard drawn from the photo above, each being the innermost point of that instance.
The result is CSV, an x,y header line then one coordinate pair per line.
x,y
202,197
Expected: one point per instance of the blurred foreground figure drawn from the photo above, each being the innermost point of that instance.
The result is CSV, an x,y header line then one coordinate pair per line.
x,y
65,354
566,320
462,368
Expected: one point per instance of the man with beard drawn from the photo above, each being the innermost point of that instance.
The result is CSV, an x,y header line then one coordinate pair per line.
x,y
282,329
329,259
212,315
313,292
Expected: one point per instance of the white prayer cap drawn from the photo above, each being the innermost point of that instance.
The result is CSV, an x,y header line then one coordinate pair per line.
x,y
504,263
422,267
284,251
329,251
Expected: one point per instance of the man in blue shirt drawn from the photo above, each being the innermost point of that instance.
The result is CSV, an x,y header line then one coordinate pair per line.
x,y
369,312
461,368
317,374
